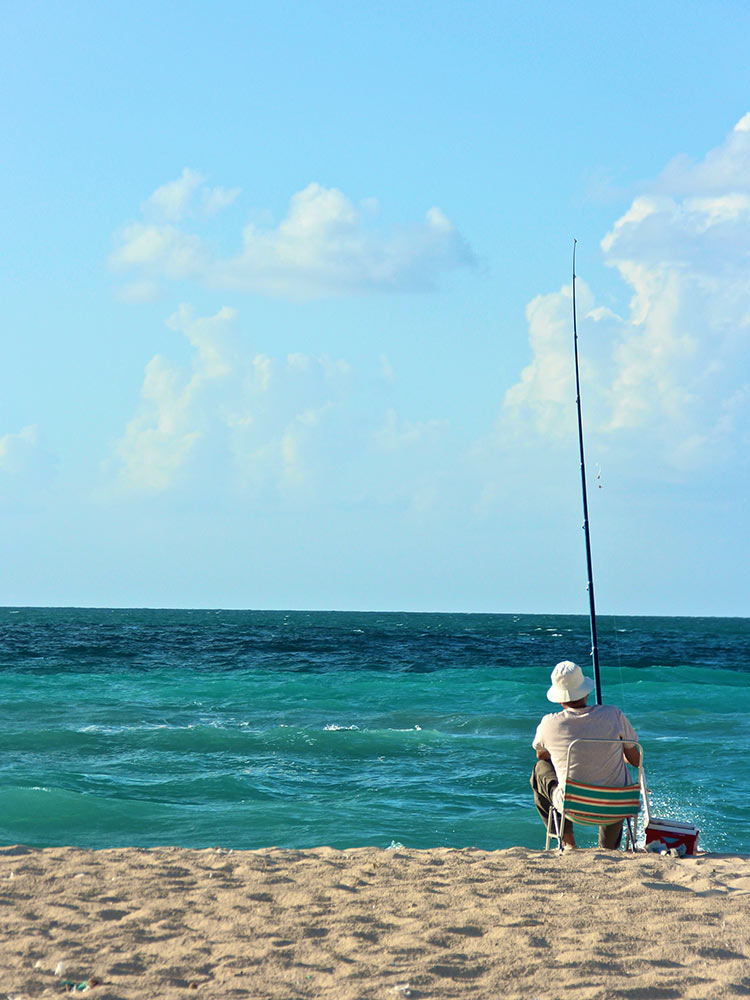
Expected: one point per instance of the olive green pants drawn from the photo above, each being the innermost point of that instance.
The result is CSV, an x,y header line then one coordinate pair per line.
x,y
544,781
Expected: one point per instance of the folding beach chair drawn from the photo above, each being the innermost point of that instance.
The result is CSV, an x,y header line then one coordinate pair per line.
x,y
597,805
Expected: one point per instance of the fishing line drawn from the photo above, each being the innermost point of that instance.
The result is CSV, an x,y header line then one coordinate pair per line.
x,y
623,689
615,629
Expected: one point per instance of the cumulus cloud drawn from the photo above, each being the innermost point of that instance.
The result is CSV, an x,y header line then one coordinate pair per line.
x,y
160,250
673,368
399,435
175,200
541,398
25,462
233,418
722,170
324,246
299,429
139,291
171,201
217,199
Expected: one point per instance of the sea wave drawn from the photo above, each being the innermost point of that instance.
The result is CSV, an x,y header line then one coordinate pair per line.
x,y
249,729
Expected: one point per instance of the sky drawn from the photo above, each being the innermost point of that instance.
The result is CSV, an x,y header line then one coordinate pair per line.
x,y
286,305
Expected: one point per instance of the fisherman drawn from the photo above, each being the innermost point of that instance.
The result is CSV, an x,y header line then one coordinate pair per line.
x,y
593,764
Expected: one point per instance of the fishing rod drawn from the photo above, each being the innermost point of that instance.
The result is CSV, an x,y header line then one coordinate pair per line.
x,y
590,584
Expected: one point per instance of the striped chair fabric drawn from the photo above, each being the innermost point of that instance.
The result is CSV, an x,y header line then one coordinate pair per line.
x,y
600,806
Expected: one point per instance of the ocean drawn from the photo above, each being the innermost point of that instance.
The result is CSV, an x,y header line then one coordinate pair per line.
x,y
246,729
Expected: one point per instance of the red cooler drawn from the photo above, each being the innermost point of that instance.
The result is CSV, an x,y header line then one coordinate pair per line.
x,y
672,834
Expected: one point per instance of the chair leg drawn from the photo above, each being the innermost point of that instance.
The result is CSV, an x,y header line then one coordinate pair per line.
x,y
553,829
629,837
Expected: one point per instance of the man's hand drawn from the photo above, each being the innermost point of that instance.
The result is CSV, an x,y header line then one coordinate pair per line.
x,y
543,754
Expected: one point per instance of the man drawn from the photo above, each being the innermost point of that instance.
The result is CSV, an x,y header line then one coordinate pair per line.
x,y
592,764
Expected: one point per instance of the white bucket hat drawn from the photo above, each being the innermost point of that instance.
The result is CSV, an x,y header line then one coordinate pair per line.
x,y
568,683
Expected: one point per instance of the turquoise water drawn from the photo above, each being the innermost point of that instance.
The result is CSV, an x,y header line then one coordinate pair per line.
x,y
250,729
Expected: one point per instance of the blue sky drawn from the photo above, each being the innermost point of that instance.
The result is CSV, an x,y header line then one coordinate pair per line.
x,y
286,305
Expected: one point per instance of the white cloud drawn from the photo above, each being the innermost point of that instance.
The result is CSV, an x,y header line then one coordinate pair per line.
x,y
218,198
396,435
673,370
233,420
546,383
386,370
187,195
722,169
159,250
15,448
25,462
300,429
171,201
324,246
139,291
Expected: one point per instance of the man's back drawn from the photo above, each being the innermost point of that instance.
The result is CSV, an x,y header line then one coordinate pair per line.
x,y
592,763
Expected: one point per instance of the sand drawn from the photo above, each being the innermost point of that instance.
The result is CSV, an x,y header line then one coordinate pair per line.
x,y
368,923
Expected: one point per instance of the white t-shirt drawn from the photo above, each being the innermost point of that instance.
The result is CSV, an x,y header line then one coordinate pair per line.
x,y
592,763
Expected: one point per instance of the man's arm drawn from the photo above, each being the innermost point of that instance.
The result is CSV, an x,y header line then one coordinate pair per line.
x,y
632,755
628,735
542,754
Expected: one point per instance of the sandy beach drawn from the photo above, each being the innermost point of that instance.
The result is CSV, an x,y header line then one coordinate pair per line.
x,y
369,923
